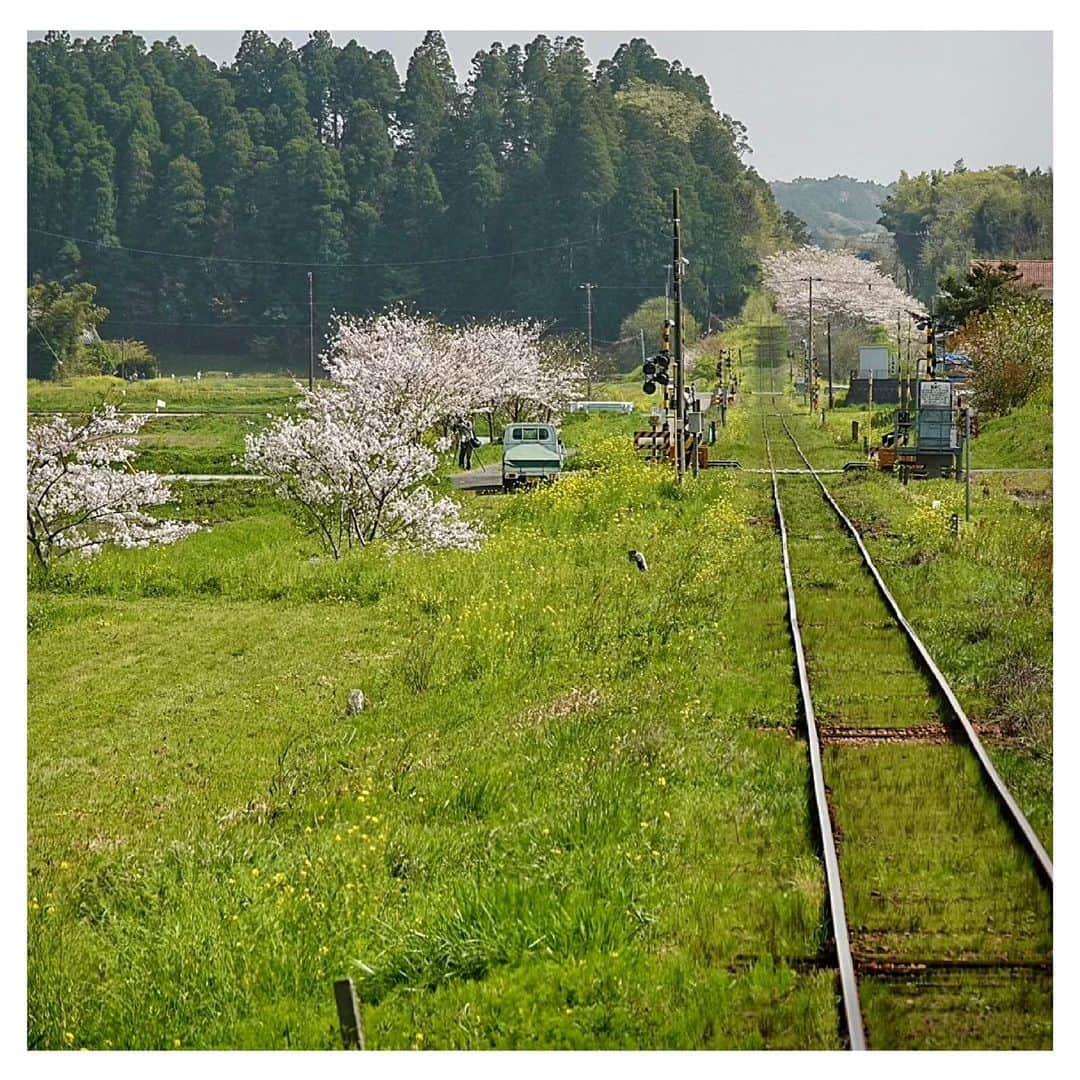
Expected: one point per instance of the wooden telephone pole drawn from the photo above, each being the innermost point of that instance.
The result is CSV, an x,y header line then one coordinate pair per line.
x,y
311,331
680,397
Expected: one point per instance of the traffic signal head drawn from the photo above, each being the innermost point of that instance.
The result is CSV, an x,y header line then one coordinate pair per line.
x,y
661,361
655,371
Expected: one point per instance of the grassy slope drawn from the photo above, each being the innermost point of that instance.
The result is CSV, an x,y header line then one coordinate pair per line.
x,y
187,730
253,393
1023,439
569,812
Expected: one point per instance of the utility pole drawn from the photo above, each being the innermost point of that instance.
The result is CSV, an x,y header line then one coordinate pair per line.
x,y
641,332
311,331
907,372
828,346
588,286
697,434
870,411
810,346
680,401
967,455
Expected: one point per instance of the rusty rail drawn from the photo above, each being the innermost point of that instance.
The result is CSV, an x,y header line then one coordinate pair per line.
x,y
849,987
1012,809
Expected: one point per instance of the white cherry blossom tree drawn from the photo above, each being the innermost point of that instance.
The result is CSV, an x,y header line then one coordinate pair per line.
x,y
82,492
435,374
518,373
359,456
359,473
844,287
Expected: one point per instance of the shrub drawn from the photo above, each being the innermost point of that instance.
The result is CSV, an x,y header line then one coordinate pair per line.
x,y
123,358
1012,351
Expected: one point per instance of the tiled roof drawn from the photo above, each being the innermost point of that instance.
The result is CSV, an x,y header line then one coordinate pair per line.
x,y
1037,272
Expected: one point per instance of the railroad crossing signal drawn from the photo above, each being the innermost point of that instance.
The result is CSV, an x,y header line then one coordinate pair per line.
x,y
930,349
655,371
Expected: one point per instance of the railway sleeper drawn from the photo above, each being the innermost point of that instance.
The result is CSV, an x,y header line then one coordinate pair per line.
x,y
903,967
863,736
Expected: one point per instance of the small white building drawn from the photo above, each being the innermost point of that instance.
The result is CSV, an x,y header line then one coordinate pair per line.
x,y
874,359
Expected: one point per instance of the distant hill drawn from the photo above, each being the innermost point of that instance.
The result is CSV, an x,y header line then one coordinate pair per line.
x,y
839,208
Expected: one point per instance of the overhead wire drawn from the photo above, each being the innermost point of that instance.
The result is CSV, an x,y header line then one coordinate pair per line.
x,y
564,245
315,264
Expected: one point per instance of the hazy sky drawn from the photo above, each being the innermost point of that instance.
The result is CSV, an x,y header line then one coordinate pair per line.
x,y
817,103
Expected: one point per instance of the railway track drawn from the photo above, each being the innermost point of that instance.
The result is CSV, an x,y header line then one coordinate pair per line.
x,y
939,891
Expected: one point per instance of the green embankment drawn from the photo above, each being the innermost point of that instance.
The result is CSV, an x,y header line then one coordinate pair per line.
x,y
572,813
1022,439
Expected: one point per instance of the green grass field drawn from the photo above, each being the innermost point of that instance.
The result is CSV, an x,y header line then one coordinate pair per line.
x,y
256,394
1023,439
572,815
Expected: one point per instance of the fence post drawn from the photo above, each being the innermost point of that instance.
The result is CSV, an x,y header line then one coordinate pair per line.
x,y
348,1011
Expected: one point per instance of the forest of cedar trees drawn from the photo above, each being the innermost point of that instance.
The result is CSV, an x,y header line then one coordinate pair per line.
x,y
197,198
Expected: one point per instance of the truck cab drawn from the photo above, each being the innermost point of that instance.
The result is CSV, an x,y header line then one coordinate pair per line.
x,y
531,451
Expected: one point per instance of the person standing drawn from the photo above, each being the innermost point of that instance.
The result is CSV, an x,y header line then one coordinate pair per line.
x,y
466,443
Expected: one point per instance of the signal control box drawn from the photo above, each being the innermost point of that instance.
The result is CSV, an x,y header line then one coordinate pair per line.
x,y
937,438
936,421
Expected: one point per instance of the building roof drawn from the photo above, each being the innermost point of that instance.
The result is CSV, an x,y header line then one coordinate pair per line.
x,y
1036,272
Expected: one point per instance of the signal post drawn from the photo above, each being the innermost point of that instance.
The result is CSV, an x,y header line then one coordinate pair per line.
x,y
655,368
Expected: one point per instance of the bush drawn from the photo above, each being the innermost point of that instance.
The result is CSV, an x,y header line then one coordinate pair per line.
x,y
126,359
1012,351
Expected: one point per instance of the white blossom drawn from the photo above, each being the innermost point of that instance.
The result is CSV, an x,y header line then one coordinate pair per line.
x,y
82,493
844,287
433,374
359,456
358,472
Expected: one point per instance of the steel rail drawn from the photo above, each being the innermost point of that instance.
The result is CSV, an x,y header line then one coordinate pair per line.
x,y
1016,815
849,986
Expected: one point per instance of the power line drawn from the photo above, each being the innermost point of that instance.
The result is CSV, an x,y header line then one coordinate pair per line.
x,y
625,287
48,344
832,281
207,325
300,325
562,245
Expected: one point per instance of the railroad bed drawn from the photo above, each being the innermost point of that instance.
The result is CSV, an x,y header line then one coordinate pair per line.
x,y
943,893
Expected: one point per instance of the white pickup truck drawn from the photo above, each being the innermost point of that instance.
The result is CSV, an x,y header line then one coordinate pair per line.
x,y
531,451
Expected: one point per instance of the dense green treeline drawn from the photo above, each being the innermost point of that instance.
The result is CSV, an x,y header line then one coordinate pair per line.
x,y
321,158
942,220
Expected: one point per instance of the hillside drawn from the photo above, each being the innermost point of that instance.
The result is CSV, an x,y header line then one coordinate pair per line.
x,y
835,209
540,173
1024,439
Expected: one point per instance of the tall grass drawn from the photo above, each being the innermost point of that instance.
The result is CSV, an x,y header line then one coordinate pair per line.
x,y
569,812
